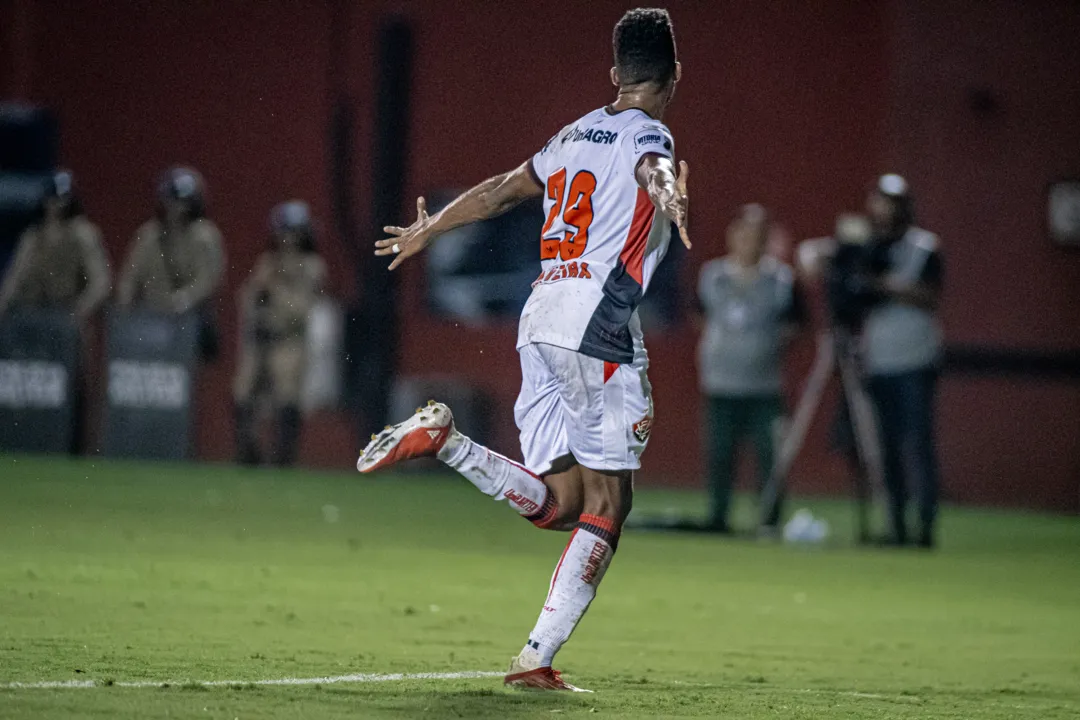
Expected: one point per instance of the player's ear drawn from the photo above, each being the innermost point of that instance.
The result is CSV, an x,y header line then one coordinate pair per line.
x,y
678,71
614,77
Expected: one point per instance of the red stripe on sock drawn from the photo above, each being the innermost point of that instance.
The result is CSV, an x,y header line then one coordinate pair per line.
x,y
559,566
600,522
548,520
548,512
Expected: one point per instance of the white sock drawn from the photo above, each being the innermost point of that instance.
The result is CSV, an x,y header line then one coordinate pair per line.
x,y
573,587
499,477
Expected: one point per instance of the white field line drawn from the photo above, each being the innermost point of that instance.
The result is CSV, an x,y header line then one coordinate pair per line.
x,y
356,678
376,678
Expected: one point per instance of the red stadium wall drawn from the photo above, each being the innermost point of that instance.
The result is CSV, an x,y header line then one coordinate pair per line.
x,y
792,105
981,174
238,90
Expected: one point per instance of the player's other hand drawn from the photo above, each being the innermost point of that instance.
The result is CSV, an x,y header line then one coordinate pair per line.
x,y
406,242
677,204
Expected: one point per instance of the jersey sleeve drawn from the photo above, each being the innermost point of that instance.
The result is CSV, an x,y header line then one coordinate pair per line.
x,y
540,164
649,137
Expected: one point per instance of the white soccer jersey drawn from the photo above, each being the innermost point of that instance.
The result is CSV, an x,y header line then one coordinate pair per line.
x,y
602,237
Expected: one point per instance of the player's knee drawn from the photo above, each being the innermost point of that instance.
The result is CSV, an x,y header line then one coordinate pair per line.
x,y
608,496
600,506
613,505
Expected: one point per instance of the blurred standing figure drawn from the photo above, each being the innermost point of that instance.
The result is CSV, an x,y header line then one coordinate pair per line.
x,y
902,347
60,263
752,309
275,306
176,260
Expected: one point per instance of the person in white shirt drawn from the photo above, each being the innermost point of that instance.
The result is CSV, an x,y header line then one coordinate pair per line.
x,y
902,347
751,308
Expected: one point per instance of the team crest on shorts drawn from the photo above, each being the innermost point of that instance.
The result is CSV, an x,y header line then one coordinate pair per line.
x,y
642,428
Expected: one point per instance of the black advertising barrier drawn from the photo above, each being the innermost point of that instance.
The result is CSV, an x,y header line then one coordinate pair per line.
x,y
150,381
39,359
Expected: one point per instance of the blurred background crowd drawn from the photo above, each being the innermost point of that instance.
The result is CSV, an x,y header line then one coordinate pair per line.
x,y
883,294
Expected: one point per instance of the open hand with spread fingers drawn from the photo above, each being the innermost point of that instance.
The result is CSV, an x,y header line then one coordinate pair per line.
x,y
406,242
666,186
677,205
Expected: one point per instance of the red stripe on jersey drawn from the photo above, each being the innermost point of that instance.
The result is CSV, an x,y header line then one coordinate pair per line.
x,y
609,370
633,254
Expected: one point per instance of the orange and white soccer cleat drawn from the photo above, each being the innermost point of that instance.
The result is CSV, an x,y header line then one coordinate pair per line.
x,y
539,678
422,435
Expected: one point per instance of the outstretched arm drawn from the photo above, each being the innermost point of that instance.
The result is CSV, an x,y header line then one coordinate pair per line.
x,y
489,199
656,176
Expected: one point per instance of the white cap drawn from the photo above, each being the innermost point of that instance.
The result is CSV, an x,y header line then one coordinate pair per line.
x,y
62,182
892,184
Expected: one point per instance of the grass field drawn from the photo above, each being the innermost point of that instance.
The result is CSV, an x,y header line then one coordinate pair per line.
x,y
117,573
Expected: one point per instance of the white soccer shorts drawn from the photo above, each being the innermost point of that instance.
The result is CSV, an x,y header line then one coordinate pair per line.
x,y
570,403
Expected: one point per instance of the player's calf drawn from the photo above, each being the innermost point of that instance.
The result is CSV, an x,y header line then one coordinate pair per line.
x,y
584,562
577,575
567,493
608,500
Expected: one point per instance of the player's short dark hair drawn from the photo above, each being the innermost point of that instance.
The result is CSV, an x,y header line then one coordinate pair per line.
x,y
644,44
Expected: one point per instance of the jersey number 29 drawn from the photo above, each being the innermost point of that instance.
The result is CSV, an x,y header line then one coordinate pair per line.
x,y
577,216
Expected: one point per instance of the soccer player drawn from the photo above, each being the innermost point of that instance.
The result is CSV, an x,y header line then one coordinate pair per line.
x,y
585,409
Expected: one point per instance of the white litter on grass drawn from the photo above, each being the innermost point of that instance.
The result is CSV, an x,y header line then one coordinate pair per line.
x,y
331,680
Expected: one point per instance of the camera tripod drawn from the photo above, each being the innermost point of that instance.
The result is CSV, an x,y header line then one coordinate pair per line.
x,y
836,356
